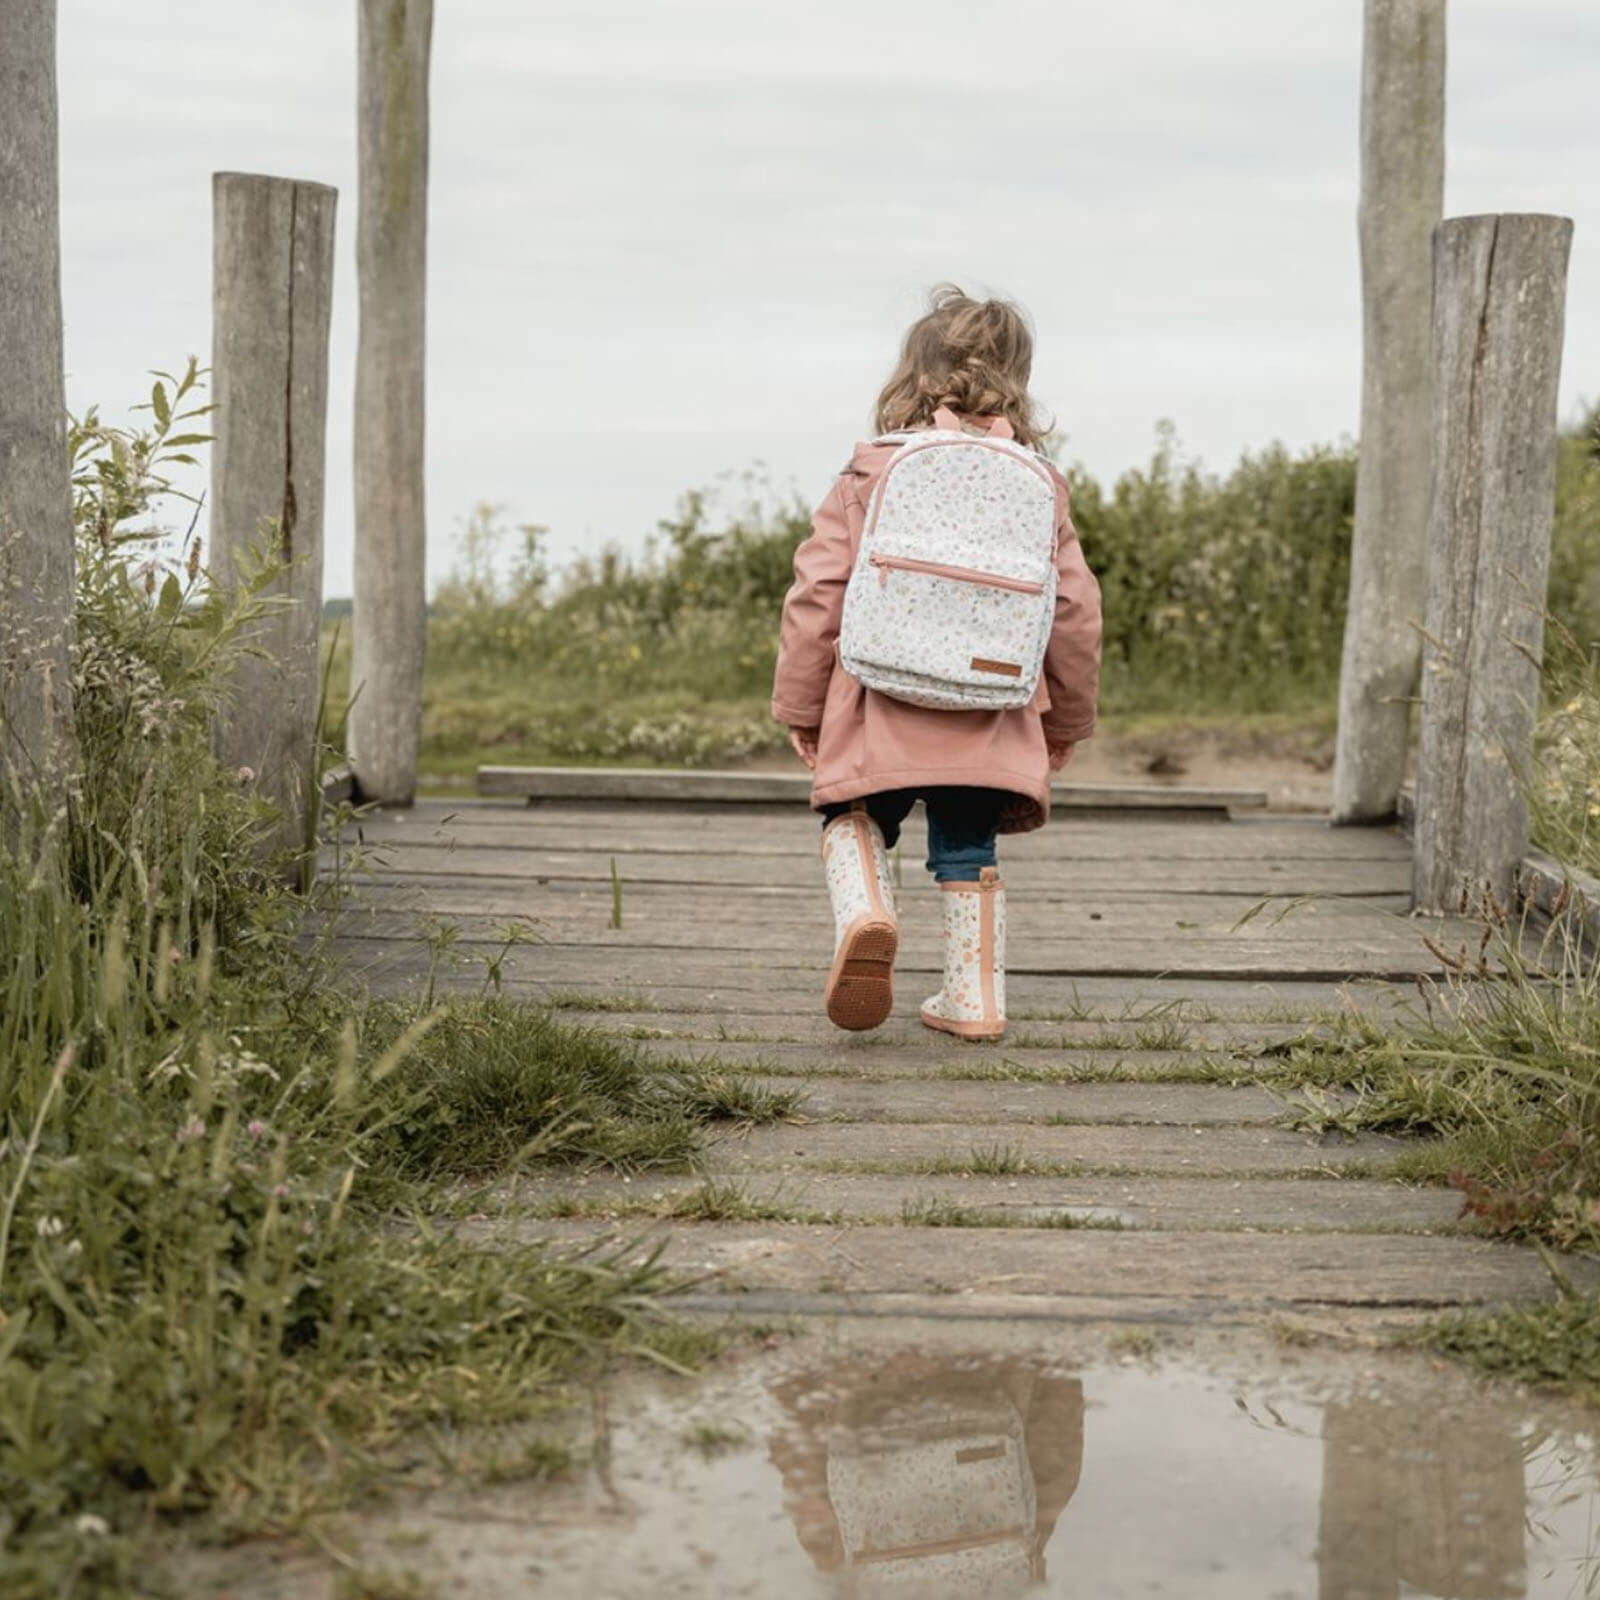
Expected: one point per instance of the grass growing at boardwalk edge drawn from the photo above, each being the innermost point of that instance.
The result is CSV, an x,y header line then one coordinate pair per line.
x,y
220,1304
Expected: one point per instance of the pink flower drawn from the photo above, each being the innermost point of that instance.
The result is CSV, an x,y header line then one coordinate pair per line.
x,y
247,774
280,1191
193,1129
257,1128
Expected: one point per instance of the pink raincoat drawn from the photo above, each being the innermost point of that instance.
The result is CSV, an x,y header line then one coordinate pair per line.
x,y
869,742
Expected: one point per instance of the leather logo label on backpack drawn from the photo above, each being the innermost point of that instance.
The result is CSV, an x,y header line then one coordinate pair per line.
x,y
1003,669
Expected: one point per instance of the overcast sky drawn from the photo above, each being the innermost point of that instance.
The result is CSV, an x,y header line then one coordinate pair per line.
x,y
671,238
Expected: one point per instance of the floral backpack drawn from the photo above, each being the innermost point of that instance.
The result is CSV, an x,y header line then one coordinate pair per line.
x,y
953,593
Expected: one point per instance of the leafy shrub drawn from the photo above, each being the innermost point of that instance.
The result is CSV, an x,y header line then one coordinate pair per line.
x,y
1226,592
1220,594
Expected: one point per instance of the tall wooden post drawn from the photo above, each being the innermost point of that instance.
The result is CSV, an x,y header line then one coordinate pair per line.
x,y
1402,200
1498,307
272,270
389,621
36,556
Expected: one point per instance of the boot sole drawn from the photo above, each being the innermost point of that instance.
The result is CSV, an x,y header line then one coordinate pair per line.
x,y
973,1032
860,991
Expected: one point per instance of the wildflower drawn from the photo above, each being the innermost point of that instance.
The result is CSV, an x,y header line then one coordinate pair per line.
x,y
280,1191
193,1129
247,774
257,1129
49,1227
91,1526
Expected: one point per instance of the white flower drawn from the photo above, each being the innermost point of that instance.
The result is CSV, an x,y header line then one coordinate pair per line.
x,y
50,1227
91,1526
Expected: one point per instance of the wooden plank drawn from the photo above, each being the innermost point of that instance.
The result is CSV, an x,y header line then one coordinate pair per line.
x,y
1143,1202
1499,300
716,971
701,835
790,915
847,1146
36,533
657,786
271,310
1211,1271
705,925
1402,200
803,1038
991,1109
391,867
795,995
1568,897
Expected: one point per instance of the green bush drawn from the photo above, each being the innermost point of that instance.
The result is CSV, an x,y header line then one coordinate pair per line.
x,y
1221,594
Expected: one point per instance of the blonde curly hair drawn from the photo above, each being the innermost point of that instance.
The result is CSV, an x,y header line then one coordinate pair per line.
x,y
974,356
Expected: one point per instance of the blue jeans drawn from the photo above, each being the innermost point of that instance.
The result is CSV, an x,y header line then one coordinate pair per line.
x,y
962,825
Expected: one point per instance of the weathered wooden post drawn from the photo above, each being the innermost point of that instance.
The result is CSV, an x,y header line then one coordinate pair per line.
x,y
36,556
272,300
1402,200
1498,303
389,620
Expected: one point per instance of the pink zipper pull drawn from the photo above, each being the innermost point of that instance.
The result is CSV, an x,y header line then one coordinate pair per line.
x,y
883,570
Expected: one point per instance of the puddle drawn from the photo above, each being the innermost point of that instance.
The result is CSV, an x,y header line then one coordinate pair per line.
x,y
998,1462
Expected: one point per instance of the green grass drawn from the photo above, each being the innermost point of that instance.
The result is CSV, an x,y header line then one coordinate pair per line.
x,y
223,1310
1224,607
1556,1344
1500,1080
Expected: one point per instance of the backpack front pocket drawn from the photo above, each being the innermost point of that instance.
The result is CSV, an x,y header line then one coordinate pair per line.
x,y
926,623
884,565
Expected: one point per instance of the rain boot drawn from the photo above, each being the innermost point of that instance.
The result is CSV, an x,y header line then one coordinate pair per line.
x,y
860,991
972,1003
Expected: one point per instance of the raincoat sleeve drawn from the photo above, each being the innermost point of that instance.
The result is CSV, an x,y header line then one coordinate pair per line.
x,y
811,612
1072,661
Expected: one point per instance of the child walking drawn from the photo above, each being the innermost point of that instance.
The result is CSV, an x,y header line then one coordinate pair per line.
x,y
957,737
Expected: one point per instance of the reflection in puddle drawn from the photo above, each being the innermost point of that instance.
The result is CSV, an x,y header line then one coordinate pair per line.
x,y
1412,1506
913,1476
921,1475
990,1461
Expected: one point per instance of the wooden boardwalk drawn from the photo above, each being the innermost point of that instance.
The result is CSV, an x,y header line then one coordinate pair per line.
x,y
1114,1152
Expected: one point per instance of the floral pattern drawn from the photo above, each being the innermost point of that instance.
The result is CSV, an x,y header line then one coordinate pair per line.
x,y
961,999
986,508
844,864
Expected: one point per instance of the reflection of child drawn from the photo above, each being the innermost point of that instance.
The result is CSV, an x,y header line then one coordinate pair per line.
x,y
924,1479
979,773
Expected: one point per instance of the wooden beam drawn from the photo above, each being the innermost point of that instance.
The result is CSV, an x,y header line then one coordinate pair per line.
x,y
272,304
389,620
654,786
36,551
1498,310
1402,200
1569,898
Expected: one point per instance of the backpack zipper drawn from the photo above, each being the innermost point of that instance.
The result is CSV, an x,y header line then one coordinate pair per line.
x,y
936,569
